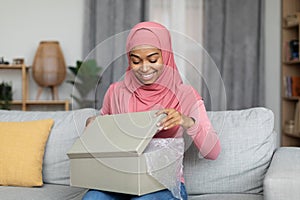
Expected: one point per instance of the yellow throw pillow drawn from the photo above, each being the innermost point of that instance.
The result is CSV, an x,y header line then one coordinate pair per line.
x,y
22,146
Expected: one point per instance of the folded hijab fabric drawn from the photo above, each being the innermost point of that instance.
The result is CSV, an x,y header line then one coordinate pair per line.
x,y
130,95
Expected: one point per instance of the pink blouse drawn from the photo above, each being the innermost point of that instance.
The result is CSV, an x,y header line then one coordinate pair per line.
x,y
202,132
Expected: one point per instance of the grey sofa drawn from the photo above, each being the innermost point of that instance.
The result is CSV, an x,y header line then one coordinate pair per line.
x,y
249,166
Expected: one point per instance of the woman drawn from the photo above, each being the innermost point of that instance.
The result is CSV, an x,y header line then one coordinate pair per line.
x,y
152,82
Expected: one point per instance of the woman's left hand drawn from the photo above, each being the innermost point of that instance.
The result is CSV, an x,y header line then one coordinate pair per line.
x,y
174,118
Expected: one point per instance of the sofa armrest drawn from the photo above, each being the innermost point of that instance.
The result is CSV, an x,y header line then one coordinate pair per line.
x,y
282,180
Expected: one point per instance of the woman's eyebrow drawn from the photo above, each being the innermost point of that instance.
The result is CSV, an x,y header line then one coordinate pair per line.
x,y
136,56
152,54
133,55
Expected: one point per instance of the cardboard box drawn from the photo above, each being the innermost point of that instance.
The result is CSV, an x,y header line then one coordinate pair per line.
x,y
109,155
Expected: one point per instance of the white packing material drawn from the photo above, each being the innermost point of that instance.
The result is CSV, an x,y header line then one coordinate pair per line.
x,y
164,157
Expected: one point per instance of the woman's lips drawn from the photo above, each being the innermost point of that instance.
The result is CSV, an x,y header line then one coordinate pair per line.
x,y
148,76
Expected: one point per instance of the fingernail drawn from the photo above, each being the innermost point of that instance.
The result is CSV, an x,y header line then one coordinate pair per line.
x,y
158,124
160,128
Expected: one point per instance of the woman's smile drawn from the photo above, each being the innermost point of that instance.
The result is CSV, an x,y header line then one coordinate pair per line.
x,y
147,76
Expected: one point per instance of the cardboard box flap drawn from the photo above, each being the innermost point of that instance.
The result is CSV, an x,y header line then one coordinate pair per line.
x,y
125,134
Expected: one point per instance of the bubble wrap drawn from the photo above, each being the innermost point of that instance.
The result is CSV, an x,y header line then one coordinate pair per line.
x,y
164,159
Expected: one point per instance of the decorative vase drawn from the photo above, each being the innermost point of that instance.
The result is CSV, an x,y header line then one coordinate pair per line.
x,y
49,68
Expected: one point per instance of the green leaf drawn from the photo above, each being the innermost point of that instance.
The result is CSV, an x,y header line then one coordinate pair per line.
x,y
71,82
73,70
87,78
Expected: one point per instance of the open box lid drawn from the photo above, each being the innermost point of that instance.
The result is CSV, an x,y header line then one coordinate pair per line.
x,y
125,134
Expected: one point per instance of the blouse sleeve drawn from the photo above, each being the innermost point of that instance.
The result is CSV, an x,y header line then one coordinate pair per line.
x,y
202,132
105,110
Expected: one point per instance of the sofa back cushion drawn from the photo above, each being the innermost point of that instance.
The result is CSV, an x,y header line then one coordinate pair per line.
x,y
68,126
247,140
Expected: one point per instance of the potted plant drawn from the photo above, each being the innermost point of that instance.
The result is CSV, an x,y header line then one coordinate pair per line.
x,y
5,95
86,78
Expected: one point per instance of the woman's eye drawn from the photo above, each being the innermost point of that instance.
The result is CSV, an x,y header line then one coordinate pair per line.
x,y
153,61
135,62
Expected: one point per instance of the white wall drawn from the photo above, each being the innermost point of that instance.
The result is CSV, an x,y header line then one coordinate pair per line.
x,y
272,59
23,24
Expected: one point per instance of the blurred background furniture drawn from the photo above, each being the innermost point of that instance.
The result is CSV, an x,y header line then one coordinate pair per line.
x,y
24,102
49,68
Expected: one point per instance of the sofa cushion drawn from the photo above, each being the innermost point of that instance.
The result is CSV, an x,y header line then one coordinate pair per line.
x,y
247,140
282,180
22,146
227,197
46,192
68,126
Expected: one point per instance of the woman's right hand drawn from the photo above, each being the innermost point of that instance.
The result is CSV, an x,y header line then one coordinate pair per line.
x,y
90,120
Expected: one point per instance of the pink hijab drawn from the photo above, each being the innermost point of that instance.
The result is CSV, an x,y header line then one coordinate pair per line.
x,y
161,94
167,92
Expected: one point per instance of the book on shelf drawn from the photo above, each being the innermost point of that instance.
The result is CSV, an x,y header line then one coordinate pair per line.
x,y
294,48
291,86
285,87
296,86
297,119
291,50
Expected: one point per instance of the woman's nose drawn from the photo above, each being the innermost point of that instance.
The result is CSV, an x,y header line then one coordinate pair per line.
x,y
144,67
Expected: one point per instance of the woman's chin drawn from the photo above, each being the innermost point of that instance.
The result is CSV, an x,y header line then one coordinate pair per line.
x,y
147,82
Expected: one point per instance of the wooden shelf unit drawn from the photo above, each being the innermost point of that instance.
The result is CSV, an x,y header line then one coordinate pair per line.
x,y
24,102
288,68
